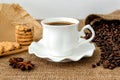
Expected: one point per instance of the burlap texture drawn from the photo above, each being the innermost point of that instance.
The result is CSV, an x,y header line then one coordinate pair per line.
x,y
45,70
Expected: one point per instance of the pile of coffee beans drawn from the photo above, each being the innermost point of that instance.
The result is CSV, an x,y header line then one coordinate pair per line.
x,y
107,37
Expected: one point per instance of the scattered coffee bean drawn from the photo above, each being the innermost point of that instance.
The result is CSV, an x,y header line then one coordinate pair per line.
x,y
93,65
98,63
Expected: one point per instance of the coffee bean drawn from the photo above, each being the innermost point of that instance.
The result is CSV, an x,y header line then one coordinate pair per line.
x,y
98,63
107,37
93,65
106,64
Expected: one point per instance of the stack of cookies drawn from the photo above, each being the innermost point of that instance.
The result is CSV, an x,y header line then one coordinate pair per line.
x,y
24,34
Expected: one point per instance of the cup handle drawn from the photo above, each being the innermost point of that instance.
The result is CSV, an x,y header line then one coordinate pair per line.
x,y
82,33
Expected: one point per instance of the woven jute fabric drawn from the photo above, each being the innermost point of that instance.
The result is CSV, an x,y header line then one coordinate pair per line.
x,y
45,70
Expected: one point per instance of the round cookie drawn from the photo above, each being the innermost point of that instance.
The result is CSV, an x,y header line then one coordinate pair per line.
x,y
23,33
24,27
24,40
25,43
24,36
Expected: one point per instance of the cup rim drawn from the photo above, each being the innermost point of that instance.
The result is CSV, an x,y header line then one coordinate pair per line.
x,y
58,19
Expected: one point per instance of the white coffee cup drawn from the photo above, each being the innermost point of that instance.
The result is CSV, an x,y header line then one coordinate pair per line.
x,y
59,39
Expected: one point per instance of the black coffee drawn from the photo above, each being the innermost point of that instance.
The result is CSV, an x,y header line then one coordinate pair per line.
x,y
59,23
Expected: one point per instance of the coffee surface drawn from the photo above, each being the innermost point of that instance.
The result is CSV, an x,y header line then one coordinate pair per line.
x,y
59,23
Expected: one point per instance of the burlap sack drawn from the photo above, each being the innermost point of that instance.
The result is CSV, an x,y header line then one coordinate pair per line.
x,y
45,70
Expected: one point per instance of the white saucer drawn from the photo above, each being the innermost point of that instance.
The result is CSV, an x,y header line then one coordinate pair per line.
x,y
84,50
